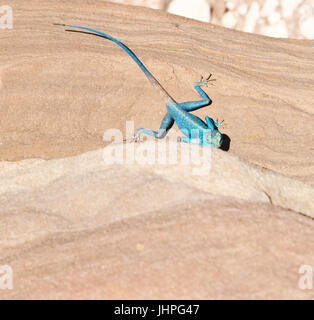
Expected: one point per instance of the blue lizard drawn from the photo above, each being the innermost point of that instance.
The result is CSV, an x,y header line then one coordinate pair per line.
x,y
195,130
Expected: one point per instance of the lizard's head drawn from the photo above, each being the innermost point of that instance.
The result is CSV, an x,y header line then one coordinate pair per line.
x,y
212,136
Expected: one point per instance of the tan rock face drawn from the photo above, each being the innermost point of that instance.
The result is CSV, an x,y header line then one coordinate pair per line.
x,y
73,225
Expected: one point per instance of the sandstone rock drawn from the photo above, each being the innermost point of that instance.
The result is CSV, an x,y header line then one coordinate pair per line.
x,y
75,226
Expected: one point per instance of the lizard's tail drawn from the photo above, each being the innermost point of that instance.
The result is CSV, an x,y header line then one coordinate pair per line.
x,y
166,97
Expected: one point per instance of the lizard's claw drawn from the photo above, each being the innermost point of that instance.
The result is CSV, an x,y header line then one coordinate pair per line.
x,y
219,124
206,81
136,138
133,138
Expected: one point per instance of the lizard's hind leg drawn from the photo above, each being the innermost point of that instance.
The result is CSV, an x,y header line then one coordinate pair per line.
x,y
165,125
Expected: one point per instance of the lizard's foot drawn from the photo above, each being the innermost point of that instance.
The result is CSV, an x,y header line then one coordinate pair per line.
x,y
220,124
205,81
217,123
136,138
131,139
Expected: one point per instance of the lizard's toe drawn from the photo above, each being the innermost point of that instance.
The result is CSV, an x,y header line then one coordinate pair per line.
x,y
137,138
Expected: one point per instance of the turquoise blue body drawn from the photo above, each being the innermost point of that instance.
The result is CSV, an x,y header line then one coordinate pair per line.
x,y
194,129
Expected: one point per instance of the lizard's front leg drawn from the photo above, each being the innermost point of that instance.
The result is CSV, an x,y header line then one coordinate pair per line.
x,y
194,105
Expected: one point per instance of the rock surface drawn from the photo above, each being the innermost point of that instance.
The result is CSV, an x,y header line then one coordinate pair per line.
x,y
74,226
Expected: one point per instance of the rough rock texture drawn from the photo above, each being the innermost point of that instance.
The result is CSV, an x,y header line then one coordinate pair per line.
x,y
74,226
